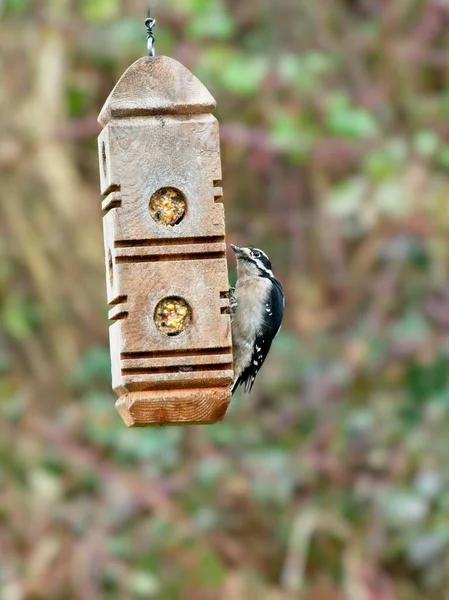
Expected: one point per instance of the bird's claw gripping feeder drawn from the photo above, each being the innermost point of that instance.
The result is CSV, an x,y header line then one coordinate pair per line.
x,y
164,234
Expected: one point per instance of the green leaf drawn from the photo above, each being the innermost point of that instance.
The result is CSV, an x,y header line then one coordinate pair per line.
x,y
347,198
93,367
426,143
392,199
211,571
190,7
292,135
144,584
77,101
17,317
101,10
402,508
159,445
411,328
128,35
384,161
429,483
227,434
378,165
443,157
214,22
242,74
348,121
426,549
4,362
272,478
352,123
15,6
304,71
210,469
285,130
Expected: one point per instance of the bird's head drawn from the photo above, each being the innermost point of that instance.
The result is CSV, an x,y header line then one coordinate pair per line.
x,y
252,262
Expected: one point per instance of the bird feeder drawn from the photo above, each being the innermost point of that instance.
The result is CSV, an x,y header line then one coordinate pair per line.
x,y
164,236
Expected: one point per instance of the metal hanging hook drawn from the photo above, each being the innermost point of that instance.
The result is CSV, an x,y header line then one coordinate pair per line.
x,y
149,24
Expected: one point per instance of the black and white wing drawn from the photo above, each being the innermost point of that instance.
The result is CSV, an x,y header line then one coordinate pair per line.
x,y
274,312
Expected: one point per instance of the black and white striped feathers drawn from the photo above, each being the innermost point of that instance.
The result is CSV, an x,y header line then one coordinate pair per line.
x,y
257,316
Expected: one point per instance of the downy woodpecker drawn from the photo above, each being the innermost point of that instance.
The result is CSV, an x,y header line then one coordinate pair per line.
x,y
257,308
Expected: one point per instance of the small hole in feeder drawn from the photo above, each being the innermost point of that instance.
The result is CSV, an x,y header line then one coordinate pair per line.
x,y
103,158
110,268
172,315
168,206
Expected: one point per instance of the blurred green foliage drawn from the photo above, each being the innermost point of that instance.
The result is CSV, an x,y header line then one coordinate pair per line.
x,y
330,480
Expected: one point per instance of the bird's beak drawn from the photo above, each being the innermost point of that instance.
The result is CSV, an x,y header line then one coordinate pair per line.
x,y
239,251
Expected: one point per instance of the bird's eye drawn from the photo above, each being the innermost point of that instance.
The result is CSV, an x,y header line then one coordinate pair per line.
x,y
256,253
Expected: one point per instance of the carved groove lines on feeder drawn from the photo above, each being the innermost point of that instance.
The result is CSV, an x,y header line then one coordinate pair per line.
x,y
165,247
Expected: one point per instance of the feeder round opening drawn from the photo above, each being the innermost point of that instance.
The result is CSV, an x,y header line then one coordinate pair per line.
x,y
172,315
168,206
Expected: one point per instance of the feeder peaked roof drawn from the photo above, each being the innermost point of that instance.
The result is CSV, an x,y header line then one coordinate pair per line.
x,y
156,86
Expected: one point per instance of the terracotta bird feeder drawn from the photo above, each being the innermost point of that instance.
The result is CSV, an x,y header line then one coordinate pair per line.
x,y
164,234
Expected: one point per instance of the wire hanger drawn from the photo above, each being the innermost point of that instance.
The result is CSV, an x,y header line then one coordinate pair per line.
x,y
149,24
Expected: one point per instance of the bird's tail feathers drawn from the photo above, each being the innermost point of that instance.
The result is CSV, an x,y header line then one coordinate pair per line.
x,y
234,385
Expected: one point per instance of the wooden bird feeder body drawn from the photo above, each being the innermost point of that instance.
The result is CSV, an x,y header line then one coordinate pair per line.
x,y
164,234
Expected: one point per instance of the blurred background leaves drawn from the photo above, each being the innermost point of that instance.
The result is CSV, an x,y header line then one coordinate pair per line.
x,y
330,481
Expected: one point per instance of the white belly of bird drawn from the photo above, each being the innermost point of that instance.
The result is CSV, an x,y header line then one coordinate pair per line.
x,y
250,295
